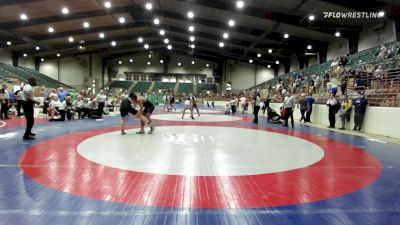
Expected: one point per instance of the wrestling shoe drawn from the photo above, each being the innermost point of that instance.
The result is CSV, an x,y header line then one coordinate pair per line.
x,y
140,132
152,129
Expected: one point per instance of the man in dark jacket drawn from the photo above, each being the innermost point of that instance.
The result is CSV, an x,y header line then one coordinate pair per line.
x,y
360,106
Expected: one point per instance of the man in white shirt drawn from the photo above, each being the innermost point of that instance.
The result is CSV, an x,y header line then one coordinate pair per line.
x,y
29,101
101,99
243,103
288,105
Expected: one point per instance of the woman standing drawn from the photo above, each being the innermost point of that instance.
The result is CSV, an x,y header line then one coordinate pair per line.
x,y
256,104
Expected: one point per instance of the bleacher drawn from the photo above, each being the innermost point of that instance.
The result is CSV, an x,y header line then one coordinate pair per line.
x,y
384,91
141,87
163,86
120,84
207,87
24,74
185,88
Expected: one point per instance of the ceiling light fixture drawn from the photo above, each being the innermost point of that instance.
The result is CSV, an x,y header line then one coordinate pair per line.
x,y
286,36
42,59
309,47
311,18
338,34
221,44
192,38
239,4
169,47
156,21
207,65
161,61
37,48
65,10
113,43
270,51
71,39
146,46
250,61
231,23
9,43
166,41
193,62
225,35
131,60
23,16
119,62
58,55
149,6
259,55
193,46
121,20
140,40
269,66
179,64
101,35
149,63
162,32
190,15
107,4
381,14
25,55
191,28
51,29
86,25
277,62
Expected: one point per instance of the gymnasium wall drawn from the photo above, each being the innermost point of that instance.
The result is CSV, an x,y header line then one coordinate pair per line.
x,y
313,60
74,71
337,49
377,120
382,33
294,63
5,56
139,64
246,75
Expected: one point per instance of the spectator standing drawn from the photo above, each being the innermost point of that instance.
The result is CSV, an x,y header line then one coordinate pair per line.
x,y
4,99
101,98
256,106
18,97
310,103
233,106
332,103
29,101
288,106
303,105
346,111
61,94
243,103
266,103
360,107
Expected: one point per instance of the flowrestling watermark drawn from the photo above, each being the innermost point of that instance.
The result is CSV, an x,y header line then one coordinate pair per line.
x,y
353,15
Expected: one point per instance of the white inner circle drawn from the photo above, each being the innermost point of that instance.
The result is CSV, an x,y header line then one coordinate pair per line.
x,y
201,151
201,118
208,111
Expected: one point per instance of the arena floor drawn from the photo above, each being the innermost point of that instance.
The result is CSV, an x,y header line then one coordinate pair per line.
x,y
217,169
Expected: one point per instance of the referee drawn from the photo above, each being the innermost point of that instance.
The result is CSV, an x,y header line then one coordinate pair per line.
x,y
28,103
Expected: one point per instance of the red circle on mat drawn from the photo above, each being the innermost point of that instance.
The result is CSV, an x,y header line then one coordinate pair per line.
x,y
344,169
